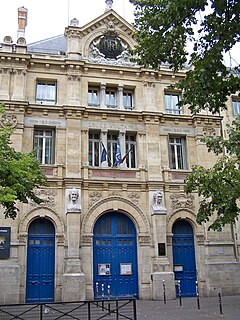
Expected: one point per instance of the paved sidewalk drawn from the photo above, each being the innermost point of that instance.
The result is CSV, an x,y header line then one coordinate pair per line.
x,y
209,309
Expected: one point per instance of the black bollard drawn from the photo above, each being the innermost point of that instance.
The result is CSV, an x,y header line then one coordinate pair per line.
x,y
102,296
164,291
179,293
197,294
220,302
97,292
108,291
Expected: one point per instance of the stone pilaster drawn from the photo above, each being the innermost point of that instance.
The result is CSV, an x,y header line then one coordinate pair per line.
x,y
73,283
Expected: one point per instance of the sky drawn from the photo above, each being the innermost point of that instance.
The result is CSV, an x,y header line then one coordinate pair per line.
x,y
48,18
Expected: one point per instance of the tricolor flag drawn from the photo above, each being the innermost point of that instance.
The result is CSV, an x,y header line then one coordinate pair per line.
x,y
104,155
123,159
118,154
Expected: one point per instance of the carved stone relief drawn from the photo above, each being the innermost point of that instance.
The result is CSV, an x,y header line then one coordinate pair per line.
x,y
209,131
112,126
114,194
73,200
94,197
49,197
157,202
182,201
8,120
134,197
109,48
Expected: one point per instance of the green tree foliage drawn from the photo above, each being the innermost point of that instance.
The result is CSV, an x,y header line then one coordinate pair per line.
x,y
20,174
164,27
163,30
219,186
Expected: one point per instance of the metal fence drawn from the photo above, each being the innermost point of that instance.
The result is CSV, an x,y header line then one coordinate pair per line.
x,y
84,310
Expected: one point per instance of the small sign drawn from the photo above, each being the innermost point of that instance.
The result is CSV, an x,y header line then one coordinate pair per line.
x,y
125,269
5,235
161,249
178,268
104,269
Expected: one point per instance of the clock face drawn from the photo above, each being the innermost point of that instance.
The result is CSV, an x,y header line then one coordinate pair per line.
x,y
110,46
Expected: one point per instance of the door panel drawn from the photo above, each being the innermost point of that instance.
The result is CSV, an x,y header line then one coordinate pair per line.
x,y
40,262
115,251
184,258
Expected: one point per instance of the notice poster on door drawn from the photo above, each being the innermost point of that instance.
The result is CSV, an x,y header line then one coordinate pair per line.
x,y
125,269
5,235
104,269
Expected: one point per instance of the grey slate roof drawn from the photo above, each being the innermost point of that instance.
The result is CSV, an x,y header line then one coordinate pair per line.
x,y
54,45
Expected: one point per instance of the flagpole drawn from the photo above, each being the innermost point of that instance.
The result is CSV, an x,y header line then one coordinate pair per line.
x,y
68,12
123,159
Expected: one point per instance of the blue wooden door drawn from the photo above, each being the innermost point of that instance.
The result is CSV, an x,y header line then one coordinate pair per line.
x,y
115,257
40,261
184,263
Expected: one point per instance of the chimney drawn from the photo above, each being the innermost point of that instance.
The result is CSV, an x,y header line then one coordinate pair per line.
x,y
22,22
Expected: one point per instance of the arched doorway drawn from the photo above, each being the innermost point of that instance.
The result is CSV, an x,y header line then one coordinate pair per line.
x,y
184,263
40,261
115,271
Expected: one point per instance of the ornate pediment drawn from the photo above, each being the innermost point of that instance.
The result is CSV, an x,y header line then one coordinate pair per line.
x,y
110,47
109,17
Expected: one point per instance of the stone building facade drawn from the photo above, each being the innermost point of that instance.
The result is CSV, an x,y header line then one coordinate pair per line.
x,y
111,224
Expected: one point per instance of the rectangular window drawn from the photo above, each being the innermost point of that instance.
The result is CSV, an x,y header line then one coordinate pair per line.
x,y
171,101
128,100
236,107
44,143
93,97
177,153
46,92
94,149
131,150
110,99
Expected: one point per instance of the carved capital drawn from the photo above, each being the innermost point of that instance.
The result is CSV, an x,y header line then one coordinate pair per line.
x,y
144,240
87,240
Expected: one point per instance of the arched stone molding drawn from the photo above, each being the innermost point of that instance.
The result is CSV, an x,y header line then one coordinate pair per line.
x,y
182,214
99,32
116,204
41,212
